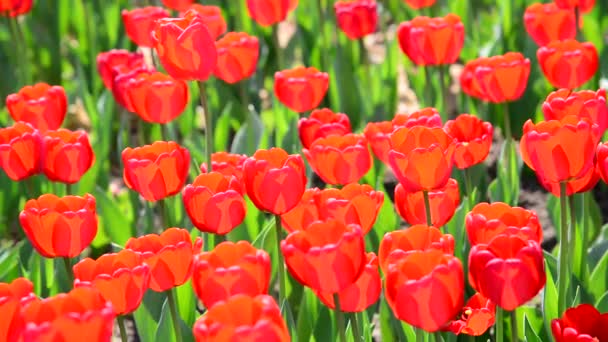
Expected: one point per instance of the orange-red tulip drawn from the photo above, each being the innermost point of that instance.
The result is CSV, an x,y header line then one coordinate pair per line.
x,y
478,315
156,97
547,22
425,289
214,203
230,269
473,138
580,185
583,5
169,256
14,8
116,62
398,243
81,314
304,213
339,159
212,17
322,123
583,104
378,136
13,296
356,18
421,158
418,4
582,323
20,151
444,201
242,318
228,164
269,12
560,151
66,155
275,180
432,41
509,270
185,47
361,294
41,105
301,89
139,23
60,226
327,256
486,221
568,63
237,57
122,278
121,83
178,5
428,117
156,171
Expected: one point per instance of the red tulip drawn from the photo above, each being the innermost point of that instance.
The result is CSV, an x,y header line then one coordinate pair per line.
x,y
339,159
378,136
486,221
432,41
583,104
361,294
66,155
327,256
421,158
560,151
269,12
14,8
214,203
582,323
580,185
169,256
583,5
444,201
185,47
602,161
13,297
228,164
156,97
322,123
356,18
568,63
139,23
60,226
177,5
425,289
473,138
41,105
237,57
122,278
508,270
428,117
81,314
478,315
418,4
116,62
242,318
304,213
301,89
20,151
547,22
122,82
275,181
211,17
156,171
399,243
230,269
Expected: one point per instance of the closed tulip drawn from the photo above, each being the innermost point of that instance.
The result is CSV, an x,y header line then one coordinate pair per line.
x,y
214,203
582,104
301,89
156,97
304,213
269,12
13,297
443,203
20,151
576,186
418,4
547,22
41,105
177,5
583,6
116,62
353,204
228,164
473,139
230,269
121,83
168,255
122,278
67,155
211,17
580,324
60,226
356,18
428,117
237,57
508,270
322,123
425,289
478,315
378,136
486,221
15,8
139,23
568,63
156,171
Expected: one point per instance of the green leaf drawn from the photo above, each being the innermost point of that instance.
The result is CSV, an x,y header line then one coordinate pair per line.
x,y
113,219
148,314
164,330
602,303
249,136
186,303
530,334
549,299
505,188
599,278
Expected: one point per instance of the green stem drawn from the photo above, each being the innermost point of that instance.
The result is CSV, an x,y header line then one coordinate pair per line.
x,y
427,208
356,328
208,124
584,232
68,270
339,318
507,122
217,239
277,47
174,315
68,189
572,233
514,327
24,62
577,17
562,271
468,185
322,37
123,331
444,92
428,89
419,335
499,324
281,265
164,215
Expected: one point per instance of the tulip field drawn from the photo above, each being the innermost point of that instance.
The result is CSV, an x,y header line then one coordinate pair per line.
x,y
303,170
